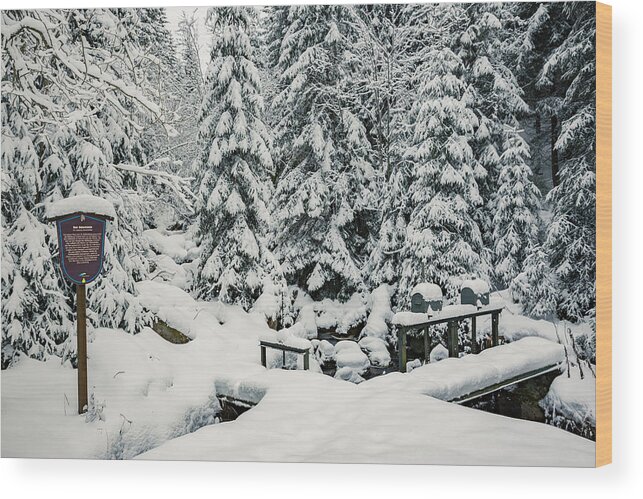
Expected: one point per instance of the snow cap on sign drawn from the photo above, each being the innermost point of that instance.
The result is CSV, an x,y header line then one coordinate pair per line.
x,y
83,203
428,291
476,285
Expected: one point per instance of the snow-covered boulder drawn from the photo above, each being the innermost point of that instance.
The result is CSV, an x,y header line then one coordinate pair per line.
x,y
413,364
349,374
381,314
349,354
170,304
166,269
377,351
165,243
438,353
325,352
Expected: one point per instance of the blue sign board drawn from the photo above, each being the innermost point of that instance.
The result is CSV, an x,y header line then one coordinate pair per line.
x,y
81,241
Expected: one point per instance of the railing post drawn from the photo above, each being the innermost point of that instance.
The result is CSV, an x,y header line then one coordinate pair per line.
x,y
427,350
452,338
401,349
306,360
474,340
494,329
263,356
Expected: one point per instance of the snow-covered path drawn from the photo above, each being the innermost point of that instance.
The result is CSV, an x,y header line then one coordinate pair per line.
x,y
312,418
151,396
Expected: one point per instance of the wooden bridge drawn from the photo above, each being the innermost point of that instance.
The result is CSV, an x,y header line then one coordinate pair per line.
x,y
452,315
457,380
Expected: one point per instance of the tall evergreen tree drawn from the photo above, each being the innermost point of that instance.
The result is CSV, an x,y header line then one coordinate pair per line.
x,y
571,236
444,242
235,164
323,204
509,215
73,119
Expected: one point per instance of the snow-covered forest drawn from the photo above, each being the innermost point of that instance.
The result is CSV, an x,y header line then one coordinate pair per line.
x,y
293,175
317,153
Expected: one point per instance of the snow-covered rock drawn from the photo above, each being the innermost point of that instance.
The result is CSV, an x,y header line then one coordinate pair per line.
x,y
413,364
326,352
175,245
349,374
349,354
438,353
172,305
377,351
380,315
166,269
573,397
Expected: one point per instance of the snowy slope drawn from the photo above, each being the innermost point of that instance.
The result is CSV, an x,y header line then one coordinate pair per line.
x,y
313,418
148,393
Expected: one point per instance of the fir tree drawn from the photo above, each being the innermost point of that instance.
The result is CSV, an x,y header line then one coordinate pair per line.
x,y
323,205
443,239
571,236
514,206
509,224
236,164
58,142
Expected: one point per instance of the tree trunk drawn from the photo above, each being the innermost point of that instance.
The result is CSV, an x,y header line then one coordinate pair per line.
x,y
554,152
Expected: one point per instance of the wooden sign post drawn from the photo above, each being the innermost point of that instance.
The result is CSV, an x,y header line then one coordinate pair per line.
x,y
81,240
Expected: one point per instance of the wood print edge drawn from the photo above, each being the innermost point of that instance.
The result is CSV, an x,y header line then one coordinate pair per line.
x,y
603,234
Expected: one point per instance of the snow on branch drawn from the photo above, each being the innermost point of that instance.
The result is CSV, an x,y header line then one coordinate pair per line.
x,y
177,184
84,70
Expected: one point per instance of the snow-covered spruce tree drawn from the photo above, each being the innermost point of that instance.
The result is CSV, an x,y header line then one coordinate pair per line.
x,y
514,209
383,82
323,204
536,286
185,144
571,236
509,216
443,239
69,127
235,163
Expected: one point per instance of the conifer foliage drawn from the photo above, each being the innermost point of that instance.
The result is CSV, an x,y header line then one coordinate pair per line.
x,y
444,242
323,204
236,164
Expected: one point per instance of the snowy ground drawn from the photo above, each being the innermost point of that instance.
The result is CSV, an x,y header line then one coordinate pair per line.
x,y
150,396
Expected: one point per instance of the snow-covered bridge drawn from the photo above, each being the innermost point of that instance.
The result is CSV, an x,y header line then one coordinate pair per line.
x,y
452,380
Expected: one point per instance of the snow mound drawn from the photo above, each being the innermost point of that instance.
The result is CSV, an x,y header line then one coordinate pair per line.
x,y
82,203
381,314
349,374
172,305
325,352
176,246
349,354
438,353
377,351
167,270
573,397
